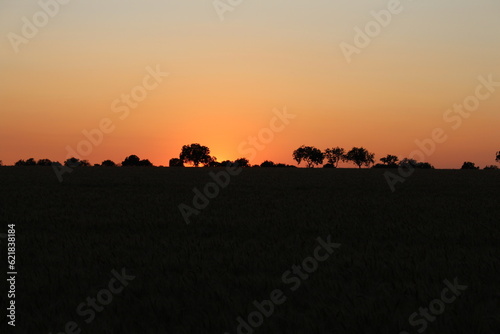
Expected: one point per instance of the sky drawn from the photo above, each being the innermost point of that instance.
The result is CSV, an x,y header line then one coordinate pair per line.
x,y
233,65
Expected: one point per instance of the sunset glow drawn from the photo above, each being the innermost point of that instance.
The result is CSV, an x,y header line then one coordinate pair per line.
x,y
225,79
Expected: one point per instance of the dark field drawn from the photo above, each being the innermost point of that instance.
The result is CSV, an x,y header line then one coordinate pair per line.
x,y
396,250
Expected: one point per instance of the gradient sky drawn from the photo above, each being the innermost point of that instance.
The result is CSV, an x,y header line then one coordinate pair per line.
x,y
227,76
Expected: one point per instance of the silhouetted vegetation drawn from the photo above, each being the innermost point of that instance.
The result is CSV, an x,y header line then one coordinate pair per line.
x,y
469,165
74,162
360,156
390,160
267,163
412,163
175,162
334,156
196,154
242,162
108,163
44,162
29,162
134,161
311,155
33,162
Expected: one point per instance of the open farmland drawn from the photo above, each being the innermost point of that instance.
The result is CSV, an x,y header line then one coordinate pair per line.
x,y
396,250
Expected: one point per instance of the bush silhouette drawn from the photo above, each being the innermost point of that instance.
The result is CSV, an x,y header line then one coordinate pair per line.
x,y
469,165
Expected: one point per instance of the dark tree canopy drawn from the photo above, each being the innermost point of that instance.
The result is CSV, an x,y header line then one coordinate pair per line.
x,y
390,160
267,163
196,154
134,161
469,165
311,155
44,162
175,162
491,167
242,162
212,162
146,163
498,157
412,163
108,163
30,162
72,162
360,156
334,156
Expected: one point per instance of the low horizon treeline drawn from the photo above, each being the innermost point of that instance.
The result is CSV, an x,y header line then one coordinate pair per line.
x,y
196,155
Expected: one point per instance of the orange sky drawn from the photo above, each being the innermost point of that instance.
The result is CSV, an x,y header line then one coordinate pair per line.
x,y
226,78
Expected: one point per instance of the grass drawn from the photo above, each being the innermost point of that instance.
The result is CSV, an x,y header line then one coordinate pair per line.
x,y
396,249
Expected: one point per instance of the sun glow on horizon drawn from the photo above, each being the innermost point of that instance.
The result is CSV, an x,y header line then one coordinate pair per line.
x,y
226,77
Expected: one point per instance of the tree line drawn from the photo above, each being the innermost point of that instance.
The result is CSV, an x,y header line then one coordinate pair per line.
x,y
196,155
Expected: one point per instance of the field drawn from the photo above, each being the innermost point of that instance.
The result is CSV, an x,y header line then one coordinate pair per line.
x,y
396,250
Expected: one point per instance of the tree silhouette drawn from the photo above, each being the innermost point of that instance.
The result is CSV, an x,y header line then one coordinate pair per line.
x,y
1,163
242,162
390,160
72,162
425,165
108,163
134,161
280,165
44,162
491,167
498,157
267,163
196,154
31,162
334,156
360,156
469,165
131,160
311,155
212,162
175,162
226,163
145,163
412,163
